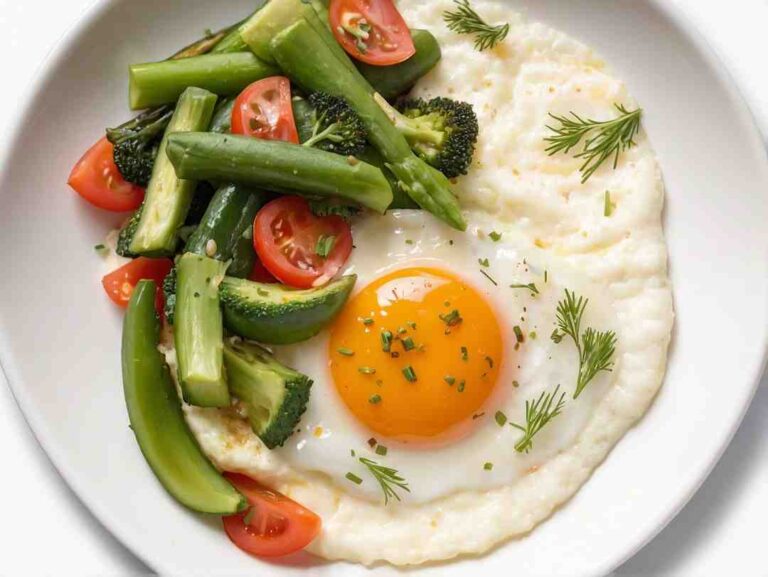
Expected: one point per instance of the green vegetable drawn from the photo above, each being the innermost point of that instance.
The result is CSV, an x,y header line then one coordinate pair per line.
x,y
392,81
538,413
156,418
157,83
276,314
124,239
136,143
335,127
278,166
230,214
198,331
169,295
400,198
307,58
222,118
201,198
168,198
466,21
441,131
275,395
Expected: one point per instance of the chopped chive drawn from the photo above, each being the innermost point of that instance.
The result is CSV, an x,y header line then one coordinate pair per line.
x,y
462,384
409,374
489,277
556,337
518,334
484,261
354,478
530,286
532,335
408,344
401,330
608,206
515,384
367,370
546,274
381,450
495,236
367,321
372,442
408,241
501,418
488,466
464,353
450,379
411,325
489,360
386,341
324,245
345,351
352,452
374,399
99,247
452,318
262,292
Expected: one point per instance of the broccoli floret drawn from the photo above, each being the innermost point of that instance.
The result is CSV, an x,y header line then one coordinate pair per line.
x,y
136,143
441,131
169,293
123,247
336,127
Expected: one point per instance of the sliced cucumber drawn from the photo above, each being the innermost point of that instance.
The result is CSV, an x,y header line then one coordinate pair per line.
x,y
278,315
157,420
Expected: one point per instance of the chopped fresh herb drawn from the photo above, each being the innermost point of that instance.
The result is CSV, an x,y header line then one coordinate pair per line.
x,y
461,386
408,343
530,286
386,341
515,384
489,277
532,335
466,21
501,418
387,477
324,245
354,478
262,292
546,275
596,348
381,450
612,137
352,452
409,374
484,262
374,399
408,241
450,379
367,321
537,414
411,325
495,236
608,205
401,330
488,466
367,370
464,353
519,336
452,318
556,337
345,351
99,248
489,360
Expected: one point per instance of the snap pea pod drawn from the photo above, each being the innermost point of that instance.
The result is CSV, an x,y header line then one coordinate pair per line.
x,y
305,56
278,166
156,417
154,83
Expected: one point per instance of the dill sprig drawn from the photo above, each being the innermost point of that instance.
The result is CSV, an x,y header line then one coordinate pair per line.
x,y
387,477
466,21
596,348
612,137
537,414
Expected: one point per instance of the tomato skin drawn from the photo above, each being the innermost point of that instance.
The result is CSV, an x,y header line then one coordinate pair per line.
x,y
96,178
285,235
119,284
388,40
263,110
278,525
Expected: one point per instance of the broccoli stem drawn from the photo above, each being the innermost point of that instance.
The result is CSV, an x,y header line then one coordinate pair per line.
x,y
278,166
155,83
410,128
327,134
168,198
306,57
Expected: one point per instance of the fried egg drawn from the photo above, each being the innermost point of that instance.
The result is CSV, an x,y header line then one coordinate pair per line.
x,y
442,411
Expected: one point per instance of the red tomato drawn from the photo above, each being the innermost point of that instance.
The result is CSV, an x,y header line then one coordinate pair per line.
x,y
286,235
273,526
372,31
261,274
264,110
119,284
96,178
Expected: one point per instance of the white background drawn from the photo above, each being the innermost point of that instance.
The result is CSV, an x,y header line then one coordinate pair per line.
x,y
44,530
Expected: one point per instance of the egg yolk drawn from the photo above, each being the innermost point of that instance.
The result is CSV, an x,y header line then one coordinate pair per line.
x,y
415,354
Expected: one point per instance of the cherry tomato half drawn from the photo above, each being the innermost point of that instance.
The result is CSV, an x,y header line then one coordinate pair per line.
x,y
372,31
259,273
119,284
300,249
263,110
273,526
96,178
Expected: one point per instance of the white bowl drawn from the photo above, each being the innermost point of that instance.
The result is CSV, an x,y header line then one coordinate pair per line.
x,y
60,336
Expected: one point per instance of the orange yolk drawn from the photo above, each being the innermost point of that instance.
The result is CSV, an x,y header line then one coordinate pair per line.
x,y
415,354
